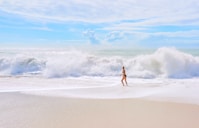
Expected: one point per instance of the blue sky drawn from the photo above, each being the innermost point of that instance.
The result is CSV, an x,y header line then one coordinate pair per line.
x,y
108,23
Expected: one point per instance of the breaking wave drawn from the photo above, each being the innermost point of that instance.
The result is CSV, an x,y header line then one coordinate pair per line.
x,y
164,62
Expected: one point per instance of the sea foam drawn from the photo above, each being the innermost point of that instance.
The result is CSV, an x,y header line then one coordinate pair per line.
x,y
167,62
164,62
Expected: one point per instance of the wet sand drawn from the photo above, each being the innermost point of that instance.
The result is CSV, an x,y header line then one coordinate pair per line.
x,y
29,111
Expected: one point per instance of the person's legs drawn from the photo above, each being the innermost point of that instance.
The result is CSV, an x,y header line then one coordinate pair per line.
x,y
122,81
126,81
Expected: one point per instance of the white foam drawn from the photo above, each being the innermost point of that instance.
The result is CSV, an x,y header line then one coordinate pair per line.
x,y
165,62
175,90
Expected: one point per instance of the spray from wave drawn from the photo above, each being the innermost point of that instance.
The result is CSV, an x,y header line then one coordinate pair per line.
x,y
164,62
167,62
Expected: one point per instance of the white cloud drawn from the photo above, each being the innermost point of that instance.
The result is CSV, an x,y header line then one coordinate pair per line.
x,y
114,36
185,34
137,37
154,11
91,36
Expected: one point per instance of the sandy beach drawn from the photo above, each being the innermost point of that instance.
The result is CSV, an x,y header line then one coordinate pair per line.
x,y
29,111
99,64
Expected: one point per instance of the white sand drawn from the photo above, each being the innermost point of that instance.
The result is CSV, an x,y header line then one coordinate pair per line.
x,y
28,111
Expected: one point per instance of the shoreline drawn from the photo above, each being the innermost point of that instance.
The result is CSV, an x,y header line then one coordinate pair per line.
x,y
22,110
174,90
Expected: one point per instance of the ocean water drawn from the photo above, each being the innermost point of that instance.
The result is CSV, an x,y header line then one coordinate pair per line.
x,y
160,74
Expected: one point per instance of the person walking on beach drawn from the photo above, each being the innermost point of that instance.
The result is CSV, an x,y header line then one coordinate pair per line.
x,y
124,76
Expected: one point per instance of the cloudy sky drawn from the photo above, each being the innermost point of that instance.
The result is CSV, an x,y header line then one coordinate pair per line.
x,y
126,23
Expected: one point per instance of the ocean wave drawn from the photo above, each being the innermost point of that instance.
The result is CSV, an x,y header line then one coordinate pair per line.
x,y
164,62
20,65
